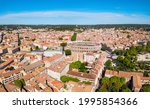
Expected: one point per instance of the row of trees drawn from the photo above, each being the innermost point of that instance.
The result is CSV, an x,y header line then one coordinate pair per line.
x,y
74,27
125,64
134,50
68,78
114,84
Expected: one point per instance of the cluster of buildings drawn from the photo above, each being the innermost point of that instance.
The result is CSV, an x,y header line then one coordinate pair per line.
x,y
43,74
95,73
42,69
40,62
115,39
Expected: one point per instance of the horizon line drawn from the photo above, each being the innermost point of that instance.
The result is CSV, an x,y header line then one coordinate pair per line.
x,y
85,24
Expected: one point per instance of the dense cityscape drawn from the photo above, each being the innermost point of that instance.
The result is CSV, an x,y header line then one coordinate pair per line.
x,y
74,58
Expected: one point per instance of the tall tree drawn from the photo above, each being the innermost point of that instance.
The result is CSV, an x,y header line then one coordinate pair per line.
x,y
19,40
148,46
67,52
2,35
74,36
63,45
20,83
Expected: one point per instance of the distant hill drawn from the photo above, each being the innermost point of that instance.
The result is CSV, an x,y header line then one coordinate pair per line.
x,y
145,27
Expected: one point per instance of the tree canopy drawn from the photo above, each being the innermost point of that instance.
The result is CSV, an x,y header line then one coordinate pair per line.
x,y
68,52
74,36
127,59
146,88
106,48
108,65
63,44
68,78
80,66
114,84
20,83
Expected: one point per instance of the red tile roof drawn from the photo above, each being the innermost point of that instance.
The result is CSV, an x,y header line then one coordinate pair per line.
x,y
122,74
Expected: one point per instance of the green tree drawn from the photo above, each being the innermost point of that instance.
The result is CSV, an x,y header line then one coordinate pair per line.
x,y
141,49
82,68
33,39
103,89
126,62
119,52
63,45
79,65
148,46
108,65
133,51
145,74
20,83
19,42
37,48
114,79
67,52
113,89
113,84
125,88
60,38
122,80
120,58
146,88
74,36
68,78
106,48
31,49
105,81
128,36
116,82
75,65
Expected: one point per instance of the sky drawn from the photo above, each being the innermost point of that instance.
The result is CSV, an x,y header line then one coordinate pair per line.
x,y
74,12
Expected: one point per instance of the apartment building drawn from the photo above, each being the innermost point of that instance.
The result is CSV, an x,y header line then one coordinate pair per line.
x,y
10,76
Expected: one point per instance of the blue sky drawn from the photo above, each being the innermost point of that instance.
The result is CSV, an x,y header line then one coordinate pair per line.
x,y
74,12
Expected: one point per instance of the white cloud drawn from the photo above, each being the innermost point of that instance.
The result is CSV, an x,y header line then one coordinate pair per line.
x,y
72,17
60,13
